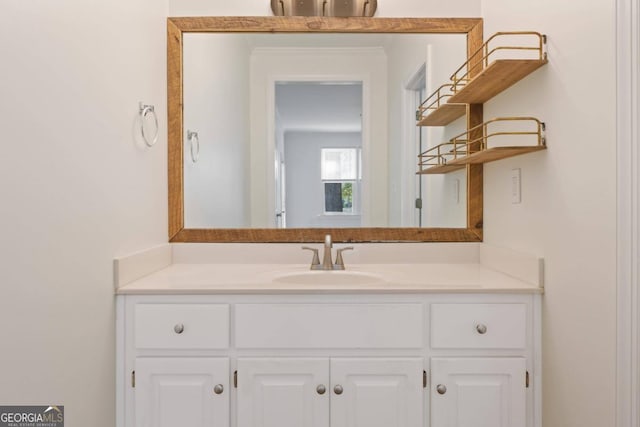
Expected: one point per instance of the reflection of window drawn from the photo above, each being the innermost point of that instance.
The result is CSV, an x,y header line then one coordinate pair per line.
x,y
340,174
338,197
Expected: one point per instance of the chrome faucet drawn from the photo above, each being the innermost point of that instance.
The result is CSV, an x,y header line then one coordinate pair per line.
x,y
327,262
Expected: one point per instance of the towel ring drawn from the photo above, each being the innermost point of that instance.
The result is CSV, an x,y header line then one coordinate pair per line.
x,y
145,110
195,153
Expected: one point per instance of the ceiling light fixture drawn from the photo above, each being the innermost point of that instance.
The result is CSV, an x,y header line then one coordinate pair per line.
x,y
343,8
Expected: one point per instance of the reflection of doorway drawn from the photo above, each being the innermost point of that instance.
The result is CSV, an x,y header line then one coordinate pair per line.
x,y
281,195
416,89
319,141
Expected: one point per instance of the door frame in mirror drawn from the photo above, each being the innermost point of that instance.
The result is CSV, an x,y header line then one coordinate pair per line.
x,y
176,27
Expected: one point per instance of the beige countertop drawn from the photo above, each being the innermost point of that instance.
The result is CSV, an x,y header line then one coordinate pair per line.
x,y
189,279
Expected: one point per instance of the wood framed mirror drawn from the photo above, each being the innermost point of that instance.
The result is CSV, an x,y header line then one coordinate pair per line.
x,y
178,28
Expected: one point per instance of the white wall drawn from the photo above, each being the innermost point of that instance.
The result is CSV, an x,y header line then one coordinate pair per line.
x,y
78,188
445,196
391,8
304,189
567,214
216,105
366,65
406,57
441,208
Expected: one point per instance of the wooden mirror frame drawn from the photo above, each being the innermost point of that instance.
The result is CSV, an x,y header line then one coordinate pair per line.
x,y
176,27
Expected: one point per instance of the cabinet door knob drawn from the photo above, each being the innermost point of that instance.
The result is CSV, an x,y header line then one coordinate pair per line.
x,y
179,328
338,389
482,329
321,389
441,389
218,389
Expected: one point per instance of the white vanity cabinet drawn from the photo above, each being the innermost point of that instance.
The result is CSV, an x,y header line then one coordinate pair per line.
x,y
478,392
283,392
329,360
336,392
377,392
182,391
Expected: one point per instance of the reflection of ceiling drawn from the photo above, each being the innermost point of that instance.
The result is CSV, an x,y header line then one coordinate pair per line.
x,y
319,106
313,106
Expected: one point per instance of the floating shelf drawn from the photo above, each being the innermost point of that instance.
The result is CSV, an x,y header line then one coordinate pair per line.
x,y
436,111
441,169
472,147
497,74
496,153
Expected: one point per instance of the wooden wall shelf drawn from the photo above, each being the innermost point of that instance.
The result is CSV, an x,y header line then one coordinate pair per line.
x,y
472,147
441,169
498,76
484,76
436,110
495,153
444,115
515,62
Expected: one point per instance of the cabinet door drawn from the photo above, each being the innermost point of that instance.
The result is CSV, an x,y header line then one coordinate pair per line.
x,y
377,392
174,392
283,392
478,392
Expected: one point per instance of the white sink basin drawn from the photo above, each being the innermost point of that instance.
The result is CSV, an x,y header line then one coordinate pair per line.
x,y
338,277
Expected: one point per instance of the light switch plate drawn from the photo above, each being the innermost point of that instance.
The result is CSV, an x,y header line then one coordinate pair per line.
x,y
516,196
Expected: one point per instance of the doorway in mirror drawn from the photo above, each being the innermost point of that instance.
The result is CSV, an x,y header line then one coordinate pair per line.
x,y
318,142
415,93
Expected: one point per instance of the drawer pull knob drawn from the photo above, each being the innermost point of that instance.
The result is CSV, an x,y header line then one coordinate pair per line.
x,y
218,389
179,328
441,389
482,329
338,389
321,389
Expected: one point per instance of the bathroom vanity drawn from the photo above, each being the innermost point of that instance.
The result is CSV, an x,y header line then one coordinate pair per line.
x,y
226,328
396,344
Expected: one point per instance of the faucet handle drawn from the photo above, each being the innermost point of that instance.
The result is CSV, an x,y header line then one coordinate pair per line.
x,y
339,265
315,262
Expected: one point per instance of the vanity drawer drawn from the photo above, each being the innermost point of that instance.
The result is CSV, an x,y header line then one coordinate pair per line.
x,y
329,326
489,326
181,326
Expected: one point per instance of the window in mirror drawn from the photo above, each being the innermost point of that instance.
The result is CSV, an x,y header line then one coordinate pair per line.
x,y
339,163
338,197
341,175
